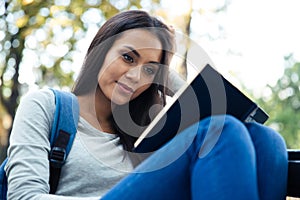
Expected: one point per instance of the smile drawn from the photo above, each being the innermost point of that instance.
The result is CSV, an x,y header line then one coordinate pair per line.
x,y
124,88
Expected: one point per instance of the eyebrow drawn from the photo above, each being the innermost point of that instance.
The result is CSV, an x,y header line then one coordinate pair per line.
x,y
133,51
138,55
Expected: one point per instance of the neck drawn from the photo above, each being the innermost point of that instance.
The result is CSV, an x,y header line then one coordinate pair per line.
x,y
97,110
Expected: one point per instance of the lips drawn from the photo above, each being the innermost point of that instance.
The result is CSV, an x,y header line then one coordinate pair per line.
x,y
124,88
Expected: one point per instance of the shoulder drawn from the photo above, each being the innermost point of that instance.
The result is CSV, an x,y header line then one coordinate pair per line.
x,y
38,100
33,119
42,95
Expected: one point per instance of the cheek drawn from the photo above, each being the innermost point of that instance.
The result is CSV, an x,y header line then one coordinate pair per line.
x,y
106,81
140,90
108,72
145,84
110,65
101,78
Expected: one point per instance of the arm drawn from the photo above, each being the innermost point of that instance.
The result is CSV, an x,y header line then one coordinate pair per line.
x,y
28,166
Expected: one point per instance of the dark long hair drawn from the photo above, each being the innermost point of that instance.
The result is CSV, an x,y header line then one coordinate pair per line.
x,y
137,110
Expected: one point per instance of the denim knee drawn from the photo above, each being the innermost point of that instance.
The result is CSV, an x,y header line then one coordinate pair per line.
x,y
223,130
225,166
270,145
268,137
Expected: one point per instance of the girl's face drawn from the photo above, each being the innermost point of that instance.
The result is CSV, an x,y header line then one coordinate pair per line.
x,y
130,66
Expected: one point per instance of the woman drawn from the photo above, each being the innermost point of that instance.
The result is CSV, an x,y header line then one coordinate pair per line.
x,y
121,82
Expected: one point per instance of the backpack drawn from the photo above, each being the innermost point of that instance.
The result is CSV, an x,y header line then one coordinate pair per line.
x,y
63,131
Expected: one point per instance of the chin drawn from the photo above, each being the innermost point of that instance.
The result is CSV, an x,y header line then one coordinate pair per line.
x,y
120,102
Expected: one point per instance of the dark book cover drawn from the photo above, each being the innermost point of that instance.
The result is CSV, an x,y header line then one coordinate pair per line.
x,y
208,94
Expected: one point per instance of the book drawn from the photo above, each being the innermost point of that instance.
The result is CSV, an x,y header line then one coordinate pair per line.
x,y
209,93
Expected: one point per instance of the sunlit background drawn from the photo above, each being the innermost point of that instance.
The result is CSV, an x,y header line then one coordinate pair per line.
x,y
248,39
252,43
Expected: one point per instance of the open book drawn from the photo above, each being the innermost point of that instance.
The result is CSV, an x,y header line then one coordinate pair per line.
x,y
209,93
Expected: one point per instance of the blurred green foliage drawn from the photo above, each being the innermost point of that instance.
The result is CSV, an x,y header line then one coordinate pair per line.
x,y
282,103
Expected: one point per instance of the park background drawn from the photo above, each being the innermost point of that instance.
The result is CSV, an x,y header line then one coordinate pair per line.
x,y
255,44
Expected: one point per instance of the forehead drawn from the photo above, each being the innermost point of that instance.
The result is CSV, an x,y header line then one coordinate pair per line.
x,y
139,39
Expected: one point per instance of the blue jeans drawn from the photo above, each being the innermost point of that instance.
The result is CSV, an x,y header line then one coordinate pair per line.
x,y
217,158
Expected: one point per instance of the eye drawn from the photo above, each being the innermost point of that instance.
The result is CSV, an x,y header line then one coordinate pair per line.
x,y
127,58
149,70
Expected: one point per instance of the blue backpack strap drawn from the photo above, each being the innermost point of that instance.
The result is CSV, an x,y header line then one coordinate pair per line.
x,y
3,181
63,133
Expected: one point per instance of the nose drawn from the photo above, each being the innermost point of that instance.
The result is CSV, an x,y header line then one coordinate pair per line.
x,y
134,74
